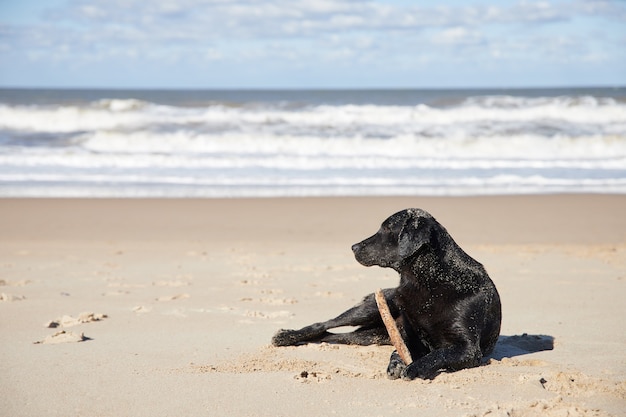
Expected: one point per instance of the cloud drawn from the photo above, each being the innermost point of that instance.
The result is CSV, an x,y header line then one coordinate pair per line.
x,y
201,20
308,33
458,36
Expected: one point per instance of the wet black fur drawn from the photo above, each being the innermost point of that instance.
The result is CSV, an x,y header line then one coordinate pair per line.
x,y
446,306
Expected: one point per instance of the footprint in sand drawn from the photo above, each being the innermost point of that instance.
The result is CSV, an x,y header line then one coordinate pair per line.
x,y
278,301
271,301
11,297
115,293
142,309
173,297
267,315
329,294
69,321
174,283
63,337
249,282
20,283
272,291
124,285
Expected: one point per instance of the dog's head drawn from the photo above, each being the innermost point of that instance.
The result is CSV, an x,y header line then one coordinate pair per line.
x,y
399,238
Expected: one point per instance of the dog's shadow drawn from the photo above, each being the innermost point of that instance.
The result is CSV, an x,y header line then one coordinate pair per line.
x,y
518,345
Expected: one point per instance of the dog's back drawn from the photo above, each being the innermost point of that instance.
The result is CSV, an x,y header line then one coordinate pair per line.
x,y
480,282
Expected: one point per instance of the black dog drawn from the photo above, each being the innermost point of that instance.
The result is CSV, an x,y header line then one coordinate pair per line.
x,y
446,306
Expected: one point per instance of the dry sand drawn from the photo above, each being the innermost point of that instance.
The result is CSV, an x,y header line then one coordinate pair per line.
x,y
167,307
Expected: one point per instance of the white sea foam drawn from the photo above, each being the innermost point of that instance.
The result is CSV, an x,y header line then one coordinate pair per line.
x,y
479,145
305,161
133,114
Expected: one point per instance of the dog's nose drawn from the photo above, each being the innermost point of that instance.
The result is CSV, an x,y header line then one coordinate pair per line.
x,y
355,247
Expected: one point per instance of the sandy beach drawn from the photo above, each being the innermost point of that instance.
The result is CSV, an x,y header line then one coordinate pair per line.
x,y
167,307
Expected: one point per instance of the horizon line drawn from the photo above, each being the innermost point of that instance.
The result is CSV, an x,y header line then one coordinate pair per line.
x,y
379,88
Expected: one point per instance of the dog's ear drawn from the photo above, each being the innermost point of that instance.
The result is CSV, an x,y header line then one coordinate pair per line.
x,y
415,234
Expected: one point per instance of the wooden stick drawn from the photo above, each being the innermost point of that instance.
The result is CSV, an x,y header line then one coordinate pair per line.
x,y
392,329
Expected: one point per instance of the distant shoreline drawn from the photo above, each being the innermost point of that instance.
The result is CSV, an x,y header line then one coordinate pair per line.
x,y
315,89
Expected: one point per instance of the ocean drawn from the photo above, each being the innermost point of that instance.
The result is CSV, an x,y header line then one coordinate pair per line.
x,y
214,143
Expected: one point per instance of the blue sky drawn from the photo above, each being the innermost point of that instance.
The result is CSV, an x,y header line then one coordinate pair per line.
x,y
312,43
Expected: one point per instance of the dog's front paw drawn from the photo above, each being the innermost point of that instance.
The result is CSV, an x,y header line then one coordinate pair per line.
x,y
410,372
414,370
396,366
285,338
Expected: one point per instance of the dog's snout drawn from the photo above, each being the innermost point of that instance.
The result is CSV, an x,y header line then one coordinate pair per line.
x,y
356,247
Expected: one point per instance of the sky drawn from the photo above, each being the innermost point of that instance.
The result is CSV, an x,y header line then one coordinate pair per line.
x,y
312,43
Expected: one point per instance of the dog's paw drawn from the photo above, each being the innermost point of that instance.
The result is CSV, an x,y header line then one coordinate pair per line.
x,y
410,372
414,370
285,338
396,366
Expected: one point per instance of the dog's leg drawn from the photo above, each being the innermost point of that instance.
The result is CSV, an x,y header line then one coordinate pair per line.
x,y
364,314
453,359
286,337
416,347
361,336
